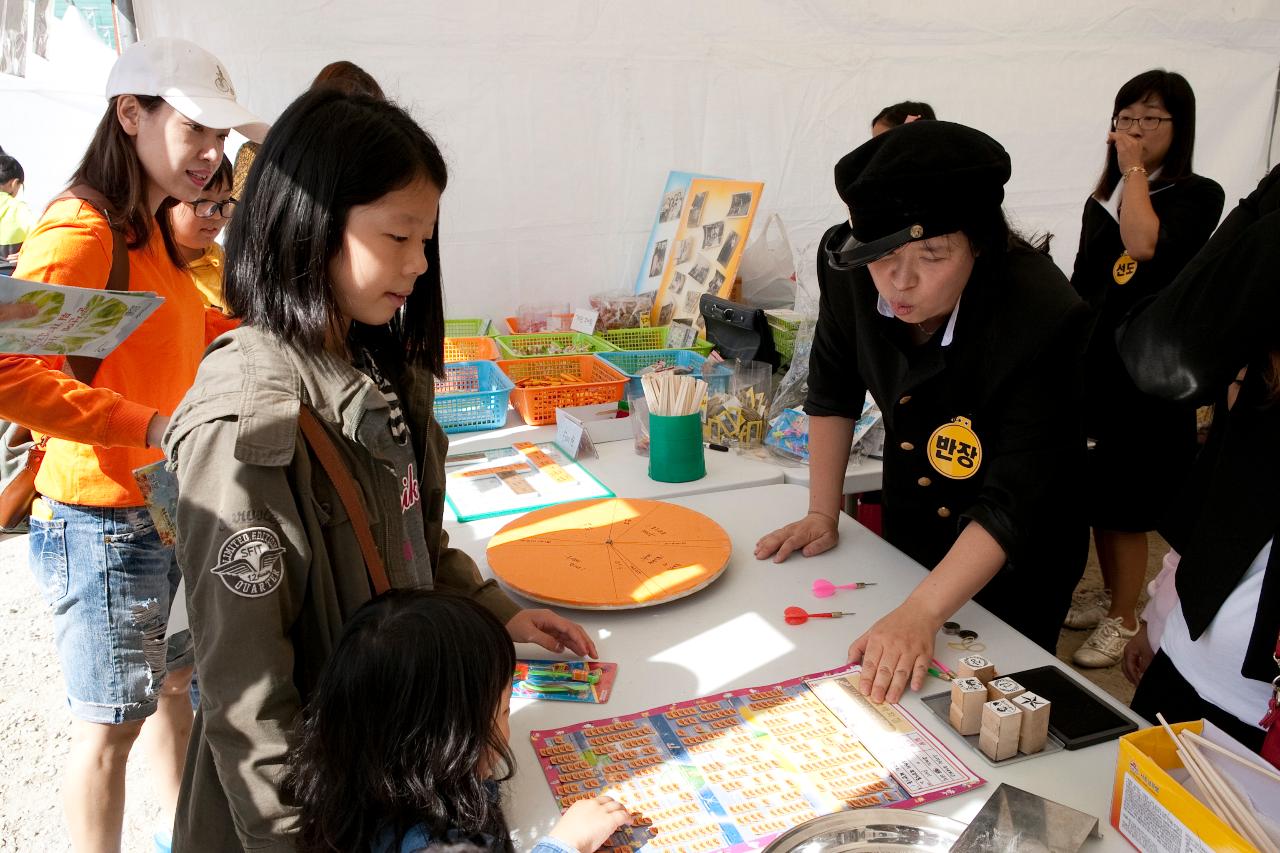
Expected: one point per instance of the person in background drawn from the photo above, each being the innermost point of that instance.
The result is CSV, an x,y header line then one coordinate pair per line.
x,y
196,226
107,577
900,114
16,220
346,77
969,339
430,675
1213,335
1147,217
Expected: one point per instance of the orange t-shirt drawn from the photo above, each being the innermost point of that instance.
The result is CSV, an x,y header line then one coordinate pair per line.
x,y
98,435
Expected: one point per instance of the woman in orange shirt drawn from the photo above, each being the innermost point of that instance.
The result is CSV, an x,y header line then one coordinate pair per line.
x,y
106,575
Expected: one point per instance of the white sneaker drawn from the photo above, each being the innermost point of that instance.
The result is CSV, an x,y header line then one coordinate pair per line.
x,y
1105,645
1087,610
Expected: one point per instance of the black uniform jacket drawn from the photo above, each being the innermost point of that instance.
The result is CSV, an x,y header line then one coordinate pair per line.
x,y
1011,370
1220,314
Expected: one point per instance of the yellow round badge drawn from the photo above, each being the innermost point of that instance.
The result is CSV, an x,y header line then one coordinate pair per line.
x,y
1124,269
954,450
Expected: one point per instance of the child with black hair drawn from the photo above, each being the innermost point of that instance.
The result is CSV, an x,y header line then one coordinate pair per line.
x,y
16,219
333,269
428,675
196,226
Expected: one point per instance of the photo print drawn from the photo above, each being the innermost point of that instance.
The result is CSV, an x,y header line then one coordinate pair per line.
x,y
684,250
664,316
695,209
691,300
717,281
726,251
739,204
678,280
700,271
672,202
659,255
712,234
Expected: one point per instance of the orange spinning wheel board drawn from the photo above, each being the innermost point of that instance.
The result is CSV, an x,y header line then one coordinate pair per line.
x,y
609,554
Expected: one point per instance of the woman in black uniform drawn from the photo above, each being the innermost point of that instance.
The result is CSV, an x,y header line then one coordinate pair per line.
x,y
969,339
1147,217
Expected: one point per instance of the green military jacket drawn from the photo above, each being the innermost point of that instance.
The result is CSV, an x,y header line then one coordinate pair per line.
x,y
271,562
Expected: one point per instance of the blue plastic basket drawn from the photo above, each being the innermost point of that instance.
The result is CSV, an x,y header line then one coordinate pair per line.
x,y
631,362
473,395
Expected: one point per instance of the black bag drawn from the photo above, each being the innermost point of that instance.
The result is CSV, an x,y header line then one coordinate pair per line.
x,y
738,331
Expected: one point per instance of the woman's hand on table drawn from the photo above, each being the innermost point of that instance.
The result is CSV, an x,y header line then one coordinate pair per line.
x,y
811,535
1137,655
551,631
895,653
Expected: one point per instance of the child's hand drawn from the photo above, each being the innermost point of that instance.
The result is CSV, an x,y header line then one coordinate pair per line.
x,y
551,631
589,823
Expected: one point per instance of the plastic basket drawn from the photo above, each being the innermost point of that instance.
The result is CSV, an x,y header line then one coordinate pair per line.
x,y
466,327
631,362
470,349
535,346
473,395
649,338
598,383
561,320
783,325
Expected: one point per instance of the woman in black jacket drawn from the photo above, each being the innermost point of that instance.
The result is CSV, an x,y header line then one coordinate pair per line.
x,y
1189,345
1147,217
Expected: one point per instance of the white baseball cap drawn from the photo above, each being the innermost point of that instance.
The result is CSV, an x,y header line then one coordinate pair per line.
x,y
189,78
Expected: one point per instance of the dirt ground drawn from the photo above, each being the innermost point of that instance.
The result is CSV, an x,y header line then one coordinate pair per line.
x,y
34,721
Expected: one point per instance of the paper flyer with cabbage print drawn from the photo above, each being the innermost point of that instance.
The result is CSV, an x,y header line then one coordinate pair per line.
x,y
71,320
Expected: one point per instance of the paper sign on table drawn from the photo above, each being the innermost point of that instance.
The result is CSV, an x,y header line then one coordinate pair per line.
x,y
572,437
584,320
517,478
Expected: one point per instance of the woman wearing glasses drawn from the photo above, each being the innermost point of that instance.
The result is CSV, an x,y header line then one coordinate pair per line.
x,y
196,226
969,339
1147,217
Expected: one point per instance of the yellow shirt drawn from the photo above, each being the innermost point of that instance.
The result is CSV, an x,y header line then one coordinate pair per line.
x,y
206,272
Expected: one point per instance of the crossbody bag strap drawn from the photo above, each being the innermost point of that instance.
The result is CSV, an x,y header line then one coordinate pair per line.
x,y
83,367
348,492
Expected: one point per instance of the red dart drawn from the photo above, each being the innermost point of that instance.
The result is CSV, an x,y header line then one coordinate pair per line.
x,y
798,616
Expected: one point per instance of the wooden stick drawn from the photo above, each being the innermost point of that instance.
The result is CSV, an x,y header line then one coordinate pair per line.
x,y
1237,804
1200,740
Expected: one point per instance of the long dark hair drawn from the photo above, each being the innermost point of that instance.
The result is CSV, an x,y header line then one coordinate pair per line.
x,y
330,152
1174,90
348,78
111,166
400,728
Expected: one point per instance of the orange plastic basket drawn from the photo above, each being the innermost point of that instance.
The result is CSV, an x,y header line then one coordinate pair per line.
x,y
470,349
596,383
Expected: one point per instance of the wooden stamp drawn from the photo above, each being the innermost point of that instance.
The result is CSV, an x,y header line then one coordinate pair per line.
x,y
1035,722
1001,729
967,698
1004,688
976,666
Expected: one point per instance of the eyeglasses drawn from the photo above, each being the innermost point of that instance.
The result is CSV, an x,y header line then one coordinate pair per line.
x,y
1145,122
206,208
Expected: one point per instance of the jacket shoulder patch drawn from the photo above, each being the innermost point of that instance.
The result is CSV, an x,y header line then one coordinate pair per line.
x,y
251,562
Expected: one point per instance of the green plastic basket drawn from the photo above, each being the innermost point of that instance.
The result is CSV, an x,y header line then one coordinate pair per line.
x,y
537,345
466,327
649,337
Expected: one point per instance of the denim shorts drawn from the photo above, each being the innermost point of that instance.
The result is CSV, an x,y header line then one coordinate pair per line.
x,y
109,581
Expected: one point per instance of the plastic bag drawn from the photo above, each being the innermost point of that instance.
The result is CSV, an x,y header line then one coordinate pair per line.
x,y
622,310
768,269
737,417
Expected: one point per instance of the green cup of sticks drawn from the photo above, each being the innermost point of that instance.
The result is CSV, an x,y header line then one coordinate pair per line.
x,y
675,426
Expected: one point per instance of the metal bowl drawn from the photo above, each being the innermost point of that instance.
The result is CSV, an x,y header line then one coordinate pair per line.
x,y
868,830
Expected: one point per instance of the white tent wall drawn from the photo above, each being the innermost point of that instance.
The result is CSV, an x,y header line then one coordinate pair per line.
x,y
560,119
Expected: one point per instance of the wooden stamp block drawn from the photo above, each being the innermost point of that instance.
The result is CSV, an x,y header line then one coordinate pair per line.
x,y
1001,729
1004,688
967,698
976,666
1035,722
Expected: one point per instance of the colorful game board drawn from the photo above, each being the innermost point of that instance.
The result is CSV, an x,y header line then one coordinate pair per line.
x,y
731,771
